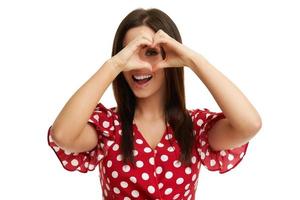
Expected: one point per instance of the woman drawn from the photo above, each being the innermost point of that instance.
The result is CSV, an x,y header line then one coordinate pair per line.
x,y
150,146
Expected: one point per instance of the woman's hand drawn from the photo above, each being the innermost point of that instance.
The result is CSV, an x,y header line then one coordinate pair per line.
x,y
176,54
128,58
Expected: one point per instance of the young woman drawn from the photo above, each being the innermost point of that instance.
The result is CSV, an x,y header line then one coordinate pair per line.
x,y
150,146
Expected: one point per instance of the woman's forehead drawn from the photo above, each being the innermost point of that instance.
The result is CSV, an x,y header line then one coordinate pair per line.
x,y
137,31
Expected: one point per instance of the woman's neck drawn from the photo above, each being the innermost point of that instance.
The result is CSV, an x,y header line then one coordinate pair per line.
x,y
150,109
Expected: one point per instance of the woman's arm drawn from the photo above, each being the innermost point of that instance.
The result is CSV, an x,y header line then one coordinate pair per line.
x,y
72,119
242,120
70,130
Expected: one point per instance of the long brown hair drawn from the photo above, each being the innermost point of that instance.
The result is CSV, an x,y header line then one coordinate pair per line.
x,y
175,111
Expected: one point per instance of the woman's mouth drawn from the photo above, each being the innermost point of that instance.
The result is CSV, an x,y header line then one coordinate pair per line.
x,y
141,80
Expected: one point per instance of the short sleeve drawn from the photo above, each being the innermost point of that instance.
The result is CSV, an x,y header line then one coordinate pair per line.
x,y
102,120
222,161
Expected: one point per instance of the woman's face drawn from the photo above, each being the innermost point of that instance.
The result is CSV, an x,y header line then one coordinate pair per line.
x,y
138,80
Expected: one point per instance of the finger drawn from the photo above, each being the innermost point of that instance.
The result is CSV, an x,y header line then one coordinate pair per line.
x,y
145,65
160,65
138,42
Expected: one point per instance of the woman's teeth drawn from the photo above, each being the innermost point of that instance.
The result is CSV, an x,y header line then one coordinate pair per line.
x,y
142,77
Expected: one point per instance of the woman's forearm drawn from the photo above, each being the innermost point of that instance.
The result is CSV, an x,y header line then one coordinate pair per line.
x,y
233,103
76,112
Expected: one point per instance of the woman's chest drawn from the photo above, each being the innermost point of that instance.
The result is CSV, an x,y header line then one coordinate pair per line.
x,y
158,165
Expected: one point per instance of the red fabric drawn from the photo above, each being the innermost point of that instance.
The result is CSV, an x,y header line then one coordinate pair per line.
x,y
157,173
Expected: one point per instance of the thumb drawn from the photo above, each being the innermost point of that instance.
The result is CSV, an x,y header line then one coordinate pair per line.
x,y
146,65
159,65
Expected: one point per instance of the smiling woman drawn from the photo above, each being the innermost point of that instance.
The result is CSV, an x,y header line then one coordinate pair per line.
x,y
150,146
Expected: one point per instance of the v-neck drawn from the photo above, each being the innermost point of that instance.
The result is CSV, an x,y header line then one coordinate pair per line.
x,y
144,139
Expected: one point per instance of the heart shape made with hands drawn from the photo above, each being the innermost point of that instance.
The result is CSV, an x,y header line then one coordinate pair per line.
x,y
163,52
171,51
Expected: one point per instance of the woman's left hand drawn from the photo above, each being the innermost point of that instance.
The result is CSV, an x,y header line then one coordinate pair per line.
x,y
176,54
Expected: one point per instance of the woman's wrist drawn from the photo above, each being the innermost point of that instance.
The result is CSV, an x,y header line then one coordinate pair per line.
x,y
115,64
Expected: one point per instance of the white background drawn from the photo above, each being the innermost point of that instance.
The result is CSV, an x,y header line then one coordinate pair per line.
x,y
48,49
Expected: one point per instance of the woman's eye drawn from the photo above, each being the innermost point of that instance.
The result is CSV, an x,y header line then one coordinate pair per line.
x,y
151,52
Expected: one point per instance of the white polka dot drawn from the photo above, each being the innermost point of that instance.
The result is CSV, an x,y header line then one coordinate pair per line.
x,y
100,156
109,143
193,159
119,157
186,193
242,154
177,163
223,153
188,170
160,144
194,177
135,153
198,165
164,158
179,181
230,157
96,117
145,176
139,163
91,166
169,136
114,174
115,147
147,150
116,122
199,122
107,186
124,184
65,162
190,197
202,154
116,190
139,141
74,162
176,196
151,189
229,166
187,186
169,175
133,179
109,163
203,143
151,161
105,192
207,153
135,193
171,149
168,191
126,168
57,149
212,162
126,198
158,170
160,185
105,124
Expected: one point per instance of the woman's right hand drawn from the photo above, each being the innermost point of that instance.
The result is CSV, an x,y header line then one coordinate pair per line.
x,y
128,58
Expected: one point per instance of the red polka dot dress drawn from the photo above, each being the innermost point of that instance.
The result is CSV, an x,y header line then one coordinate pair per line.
x,y
156,173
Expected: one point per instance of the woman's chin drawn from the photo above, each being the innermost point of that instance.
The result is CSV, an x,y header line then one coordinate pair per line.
x,y
141,94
